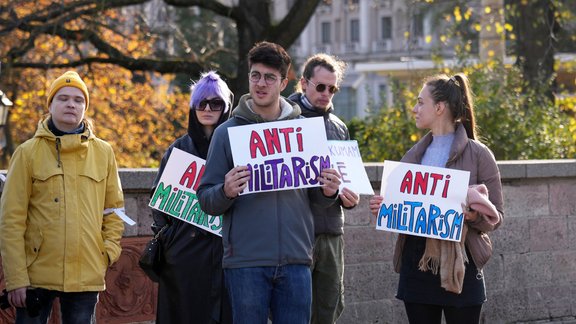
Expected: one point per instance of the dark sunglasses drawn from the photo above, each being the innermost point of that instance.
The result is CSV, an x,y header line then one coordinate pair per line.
x,y
320,87
216,104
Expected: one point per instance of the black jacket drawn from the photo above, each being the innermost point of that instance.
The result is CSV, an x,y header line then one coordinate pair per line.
x,y
326,220
191,288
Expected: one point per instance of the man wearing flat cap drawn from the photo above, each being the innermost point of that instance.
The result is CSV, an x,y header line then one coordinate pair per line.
x,y
59,231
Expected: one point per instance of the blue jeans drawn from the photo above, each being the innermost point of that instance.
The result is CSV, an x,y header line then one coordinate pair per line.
x,y
284,292
75,307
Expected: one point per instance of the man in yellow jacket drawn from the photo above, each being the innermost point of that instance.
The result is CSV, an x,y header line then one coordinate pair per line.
x,y
58,229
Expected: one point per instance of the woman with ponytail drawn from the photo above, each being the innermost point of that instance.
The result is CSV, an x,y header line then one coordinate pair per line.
x,y
442,276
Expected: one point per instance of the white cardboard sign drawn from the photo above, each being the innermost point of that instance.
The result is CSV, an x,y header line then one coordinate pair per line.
x,y
346,159
175,194
423,200
281,155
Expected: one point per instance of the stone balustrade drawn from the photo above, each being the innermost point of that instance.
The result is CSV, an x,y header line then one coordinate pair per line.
x,y
531,276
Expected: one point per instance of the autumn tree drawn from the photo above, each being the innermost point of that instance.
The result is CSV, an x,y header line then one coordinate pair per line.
x,y
536,26
534,31
136,113
132,99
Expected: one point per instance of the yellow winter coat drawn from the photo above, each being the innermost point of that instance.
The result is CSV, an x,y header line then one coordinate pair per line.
x,y
53,232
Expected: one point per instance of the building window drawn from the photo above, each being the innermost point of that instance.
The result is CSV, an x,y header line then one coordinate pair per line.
x,y
345,103
326,35
337,36
382,96
386,28
418,25
354,30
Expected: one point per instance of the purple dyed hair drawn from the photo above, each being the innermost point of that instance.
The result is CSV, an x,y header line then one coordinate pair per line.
x,y
208,86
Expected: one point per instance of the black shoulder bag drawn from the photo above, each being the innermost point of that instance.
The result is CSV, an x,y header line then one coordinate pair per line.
x,y
151,258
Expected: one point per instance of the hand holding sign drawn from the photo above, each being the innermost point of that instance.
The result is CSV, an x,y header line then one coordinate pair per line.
x,y
235,181
330,180
349,198
470,214
375,203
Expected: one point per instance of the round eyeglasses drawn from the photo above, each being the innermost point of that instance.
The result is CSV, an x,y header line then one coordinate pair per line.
x,y
321,87
269,78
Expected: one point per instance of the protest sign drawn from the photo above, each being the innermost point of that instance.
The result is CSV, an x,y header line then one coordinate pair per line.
x,y
281,155
422,200
175,194
346,159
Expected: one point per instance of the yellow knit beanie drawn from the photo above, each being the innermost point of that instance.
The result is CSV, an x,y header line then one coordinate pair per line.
x,y
68,79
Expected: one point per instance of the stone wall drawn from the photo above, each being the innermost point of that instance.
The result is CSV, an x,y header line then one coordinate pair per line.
x,y
531,276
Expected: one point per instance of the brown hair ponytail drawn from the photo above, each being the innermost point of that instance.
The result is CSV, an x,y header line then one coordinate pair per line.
x,y
456,92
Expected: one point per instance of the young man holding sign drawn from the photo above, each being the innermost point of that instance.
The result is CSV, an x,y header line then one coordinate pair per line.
x,y
267,236
319,82
440,276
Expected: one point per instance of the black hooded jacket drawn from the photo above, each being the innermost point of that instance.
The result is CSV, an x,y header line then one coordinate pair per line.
x,y
191,288
326,220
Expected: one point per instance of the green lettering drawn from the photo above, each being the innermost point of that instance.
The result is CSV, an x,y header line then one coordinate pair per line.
x,y
216,227
161,193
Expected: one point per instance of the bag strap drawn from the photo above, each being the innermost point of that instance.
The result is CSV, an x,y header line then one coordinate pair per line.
x,y
160,231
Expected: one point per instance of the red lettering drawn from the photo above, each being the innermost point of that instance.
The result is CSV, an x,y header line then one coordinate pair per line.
x,y
436,177
418,184
299,139
256,143
421,182
272,141
286,132
199,177
189,177
446,185
406,185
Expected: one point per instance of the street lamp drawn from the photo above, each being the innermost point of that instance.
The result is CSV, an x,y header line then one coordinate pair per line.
x,y
5,105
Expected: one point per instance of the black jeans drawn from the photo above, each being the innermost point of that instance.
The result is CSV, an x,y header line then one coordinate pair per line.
x,y
75,307
432,314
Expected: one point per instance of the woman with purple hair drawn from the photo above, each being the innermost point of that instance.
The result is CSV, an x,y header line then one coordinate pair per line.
x,y
191,288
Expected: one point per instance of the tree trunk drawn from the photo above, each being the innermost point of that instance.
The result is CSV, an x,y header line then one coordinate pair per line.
x,y
535,27
492,43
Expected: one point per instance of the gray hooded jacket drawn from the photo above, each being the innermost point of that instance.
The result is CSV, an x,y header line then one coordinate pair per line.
x,y
260,229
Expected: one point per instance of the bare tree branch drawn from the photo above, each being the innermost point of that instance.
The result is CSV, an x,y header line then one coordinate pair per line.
x,y
214,6
252,19
161,66
62,13
296,19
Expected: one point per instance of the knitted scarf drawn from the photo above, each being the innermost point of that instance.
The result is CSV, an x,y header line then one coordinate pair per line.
x,y
450,256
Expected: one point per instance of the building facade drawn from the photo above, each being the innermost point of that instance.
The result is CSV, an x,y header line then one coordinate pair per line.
x,y
380,40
